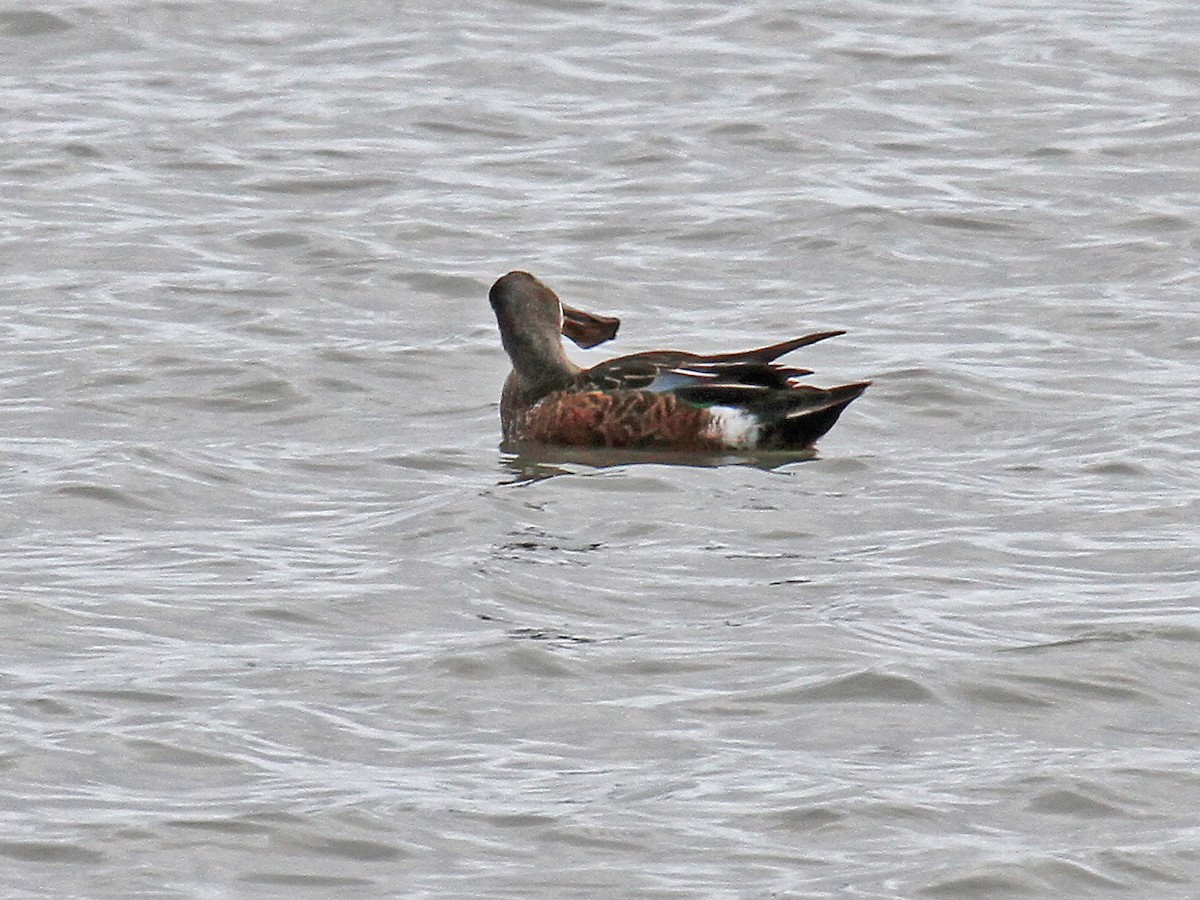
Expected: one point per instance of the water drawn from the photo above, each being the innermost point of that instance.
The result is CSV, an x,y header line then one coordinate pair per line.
x,y
281,621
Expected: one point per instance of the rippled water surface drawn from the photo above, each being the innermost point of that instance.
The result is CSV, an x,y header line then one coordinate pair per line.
x,y
279,618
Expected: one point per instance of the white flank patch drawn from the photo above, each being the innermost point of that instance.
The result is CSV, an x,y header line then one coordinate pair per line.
x,y
733,427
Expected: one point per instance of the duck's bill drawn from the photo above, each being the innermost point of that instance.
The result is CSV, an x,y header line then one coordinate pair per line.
x,y
588,329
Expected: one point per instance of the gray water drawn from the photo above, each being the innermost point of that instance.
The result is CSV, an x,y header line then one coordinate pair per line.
x,y
280,620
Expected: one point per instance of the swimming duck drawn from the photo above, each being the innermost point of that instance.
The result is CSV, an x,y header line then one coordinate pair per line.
x,y
658,400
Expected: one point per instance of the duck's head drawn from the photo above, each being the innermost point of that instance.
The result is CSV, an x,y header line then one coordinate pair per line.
x,y
525,309
531,320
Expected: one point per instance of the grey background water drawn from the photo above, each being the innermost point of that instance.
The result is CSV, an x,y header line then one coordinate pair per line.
x,y
279,619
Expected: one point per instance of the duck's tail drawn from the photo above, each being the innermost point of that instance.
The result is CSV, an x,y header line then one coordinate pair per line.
x,y
809,413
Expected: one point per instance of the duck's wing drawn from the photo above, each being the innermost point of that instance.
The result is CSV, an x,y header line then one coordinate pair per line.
x,y
696,375
769,353
625,373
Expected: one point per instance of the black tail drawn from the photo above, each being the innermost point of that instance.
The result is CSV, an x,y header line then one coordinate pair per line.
x,y
813,412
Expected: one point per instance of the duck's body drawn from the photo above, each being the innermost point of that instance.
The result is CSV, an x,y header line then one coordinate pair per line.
x,y
660,400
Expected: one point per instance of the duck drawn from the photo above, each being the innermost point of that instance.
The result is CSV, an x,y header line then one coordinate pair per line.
x,y
660,400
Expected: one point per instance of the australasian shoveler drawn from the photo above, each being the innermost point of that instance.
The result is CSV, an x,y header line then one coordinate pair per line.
x,y
659,400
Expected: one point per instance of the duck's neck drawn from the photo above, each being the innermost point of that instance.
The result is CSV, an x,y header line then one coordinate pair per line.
x,y
540,366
